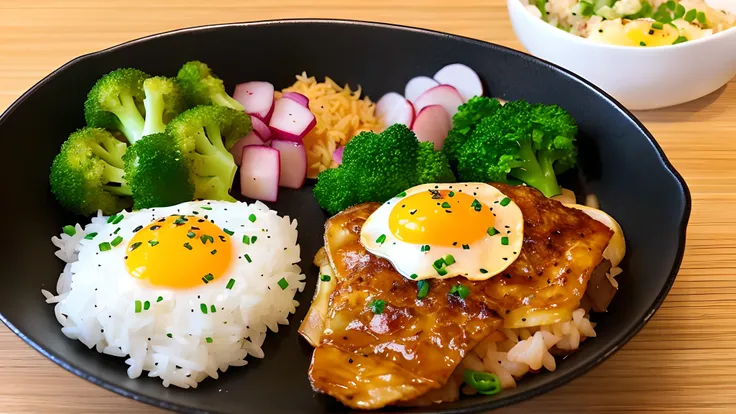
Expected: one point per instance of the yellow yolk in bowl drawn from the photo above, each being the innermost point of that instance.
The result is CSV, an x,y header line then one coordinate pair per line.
x,y
440,217
179,252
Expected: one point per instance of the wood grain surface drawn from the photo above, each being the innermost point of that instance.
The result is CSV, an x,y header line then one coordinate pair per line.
x,y
683,360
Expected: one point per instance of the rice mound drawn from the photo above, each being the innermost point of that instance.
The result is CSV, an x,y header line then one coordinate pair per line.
x,y
173,338
341,114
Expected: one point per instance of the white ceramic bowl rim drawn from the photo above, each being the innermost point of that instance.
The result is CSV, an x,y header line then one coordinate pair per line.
x,y
657,49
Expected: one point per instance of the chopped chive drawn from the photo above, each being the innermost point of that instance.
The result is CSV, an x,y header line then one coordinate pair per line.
x,y
252,218
283,284
203,308
642,44
105,246
381,239
208,340
253,239
413,276
702,19
213,252
180,221
116,230
169,335
118,219
460,290
230,284
425,248
476,205
138,306
156,227
213,309
114,216
159,299
135,246
483,271
205,281
146,305
449,259
492,231
247,258
657,25
377,306
90,236
441,271
690,15
446,205
451,194
191,234
505,241
423,289
229,233
401,194
206,208
325,278
153,242
246,239
209,276
466,247
205,237
680,39
188,246
116,241
70,230
505,201
439,263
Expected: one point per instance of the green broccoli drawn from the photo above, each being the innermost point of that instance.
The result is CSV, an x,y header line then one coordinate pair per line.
x,y
204,135
87,174
531,143
116,102
157,172
376,167
164,101
464,121
131,101
202,87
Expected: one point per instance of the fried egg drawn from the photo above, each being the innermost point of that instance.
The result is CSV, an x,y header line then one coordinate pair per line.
x,y
446,230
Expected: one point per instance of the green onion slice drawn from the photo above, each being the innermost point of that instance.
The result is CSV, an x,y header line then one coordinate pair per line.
x,y
423,289
230,284
90,236
69,230
377,306
484,382
283,284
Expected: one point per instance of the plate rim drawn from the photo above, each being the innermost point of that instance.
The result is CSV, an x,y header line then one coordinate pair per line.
x,y
483,405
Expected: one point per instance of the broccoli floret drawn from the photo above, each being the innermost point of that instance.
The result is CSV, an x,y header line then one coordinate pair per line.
x,y
376,167
202,87
463,123
164,100
528,142
204,135
87,174
116,102
157,172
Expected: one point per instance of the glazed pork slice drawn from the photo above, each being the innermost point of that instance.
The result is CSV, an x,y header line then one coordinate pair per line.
x,y
368,359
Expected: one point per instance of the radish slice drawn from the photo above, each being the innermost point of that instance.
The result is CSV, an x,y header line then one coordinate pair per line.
x,y
256,98
337,155
444,95
432,125
293,163
260,173
291,121
237,149
260,128
392,108
298,98
462,78
417,86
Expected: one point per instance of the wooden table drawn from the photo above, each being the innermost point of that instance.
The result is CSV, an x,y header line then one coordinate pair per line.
x,y
683,360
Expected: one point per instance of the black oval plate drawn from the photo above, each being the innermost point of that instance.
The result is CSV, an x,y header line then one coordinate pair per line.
x,y
620,161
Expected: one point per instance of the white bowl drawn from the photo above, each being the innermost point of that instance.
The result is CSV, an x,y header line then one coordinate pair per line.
x,y
638,77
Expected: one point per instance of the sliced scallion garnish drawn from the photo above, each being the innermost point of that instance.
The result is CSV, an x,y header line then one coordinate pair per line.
x,y
505,201
208,340
230,284
422,289
283,284
381,239
138,306
377,306
69,230
116,241
229,232
252,218
505,241
105,246
90,236
203,308
247,257
325,278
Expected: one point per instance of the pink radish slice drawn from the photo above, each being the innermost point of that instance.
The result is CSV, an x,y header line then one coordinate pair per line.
x,y
417,86
337,155
462,78
293,163
432,125
260,128
392,108
444,95
291,121
298,98
237,149
260,173
256,98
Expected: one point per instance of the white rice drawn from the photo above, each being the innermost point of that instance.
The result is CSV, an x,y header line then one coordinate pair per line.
x,y
174,340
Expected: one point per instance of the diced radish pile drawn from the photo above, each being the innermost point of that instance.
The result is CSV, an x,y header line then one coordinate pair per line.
x,y
237,149
256,98
293,163
260,172
392,108
291,121
432,125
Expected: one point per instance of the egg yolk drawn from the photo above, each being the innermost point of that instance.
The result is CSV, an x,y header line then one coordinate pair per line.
x,y
179,252
440,217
